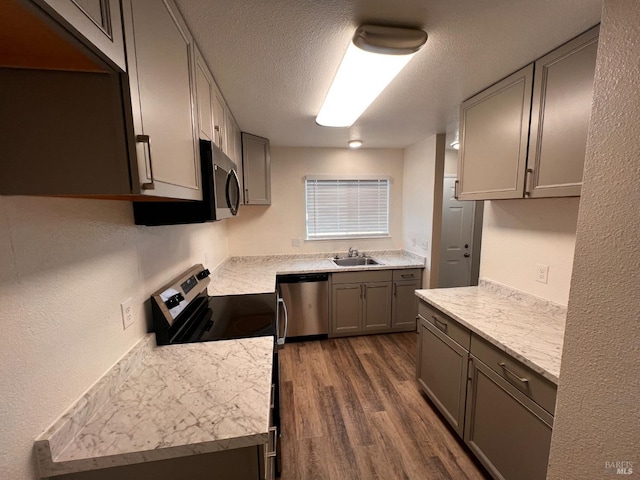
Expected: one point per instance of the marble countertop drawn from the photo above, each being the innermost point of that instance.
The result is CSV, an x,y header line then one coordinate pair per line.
x,y
257,274
527,328
166,402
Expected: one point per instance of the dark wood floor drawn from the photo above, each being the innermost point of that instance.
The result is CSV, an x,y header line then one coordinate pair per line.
x,y
351,409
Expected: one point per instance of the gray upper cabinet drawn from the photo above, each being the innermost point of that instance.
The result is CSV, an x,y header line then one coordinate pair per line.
x,y
256,162
160,59
494,128
549,111
219,125
562,94
204,97
98,21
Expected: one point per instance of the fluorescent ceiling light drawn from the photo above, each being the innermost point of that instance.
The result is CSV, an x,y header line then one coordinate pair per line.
x,y
374,57
355,143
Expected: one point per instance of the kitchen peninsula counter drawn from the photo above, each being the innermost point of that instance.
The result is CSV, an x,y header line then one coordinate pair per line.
x,y
526,327
257,274
165,402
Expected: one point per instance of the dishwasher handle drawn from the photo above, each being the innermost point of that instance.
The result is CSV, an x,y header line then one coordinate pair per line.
x,y
281,339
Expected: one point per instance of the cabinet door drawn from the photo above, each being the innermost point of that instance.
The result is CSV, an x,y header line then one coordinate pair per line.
x,y
98,21
377,306
160,60
563,90
347,308
405,305
442,373
256,161
219,125
509,433
204,88
494,130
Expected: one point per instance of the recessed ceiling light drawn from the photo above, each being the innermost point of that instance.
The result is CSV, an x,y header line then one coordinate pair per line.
x,y
374,57
455,145
355,143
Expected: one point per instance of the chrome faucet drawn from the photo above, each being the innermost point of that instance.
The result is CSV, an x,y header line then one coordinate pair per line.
x,y
353,252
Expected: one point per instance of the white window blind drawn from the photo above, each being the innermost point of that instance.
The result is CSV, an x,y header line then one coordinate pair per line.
x,y
347,208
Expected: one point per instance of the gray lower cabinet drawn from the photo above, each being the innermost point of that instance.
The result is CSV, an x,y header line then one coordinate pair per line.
x,y
376,306
500,407
346,308
373,301
508,432
442,372
404,302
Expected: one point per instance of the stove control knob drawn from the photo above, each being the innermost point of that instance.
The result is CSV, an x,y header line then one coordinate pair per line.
x,y
203,274
174,301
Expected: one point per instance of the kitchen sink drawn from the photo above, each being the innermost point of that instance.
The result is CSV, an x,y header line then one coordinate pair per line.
x,y
354,261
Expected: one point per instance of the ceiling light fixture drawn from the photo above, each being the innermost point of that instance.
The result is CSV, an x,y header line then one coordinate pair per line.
x,y
455,145
355,143
374,57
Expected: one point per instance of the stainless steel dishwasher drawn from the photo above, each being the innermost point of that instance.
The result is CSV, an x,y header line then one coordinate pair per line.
x,y
307,301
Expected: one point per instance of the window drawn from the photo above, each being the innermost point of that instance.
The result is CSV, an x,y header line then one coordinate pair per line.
x,y
347,208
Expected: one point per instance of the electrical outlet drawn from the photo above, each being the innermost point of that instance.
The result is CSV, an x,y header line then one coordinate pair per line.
x,y
424,244
296,242
127,313
542,273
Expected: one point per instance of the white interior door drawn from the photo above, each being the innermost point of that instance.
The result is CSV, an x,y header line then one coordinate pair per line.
x,y
457,238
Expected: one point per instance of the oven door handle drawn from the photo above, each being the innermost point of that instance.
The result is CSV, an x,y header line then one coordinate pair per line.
x,y
281,339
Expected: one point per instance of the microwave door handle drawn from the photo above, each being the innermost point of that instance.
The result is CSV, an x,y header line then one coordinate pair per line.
x,y
233,177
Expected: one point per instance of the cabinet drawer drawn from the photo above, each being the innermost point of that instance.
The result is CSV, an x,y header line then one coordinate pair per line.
x,y
362,277
408,274
447,325
532,384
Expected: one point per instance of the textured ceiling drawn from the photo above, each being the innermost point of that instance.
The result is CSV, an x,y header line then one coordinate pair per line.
x,y
274,60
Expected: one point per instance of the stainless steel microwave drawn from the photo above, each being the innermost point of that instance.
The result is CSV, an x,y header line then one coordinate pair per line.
x,y
220,194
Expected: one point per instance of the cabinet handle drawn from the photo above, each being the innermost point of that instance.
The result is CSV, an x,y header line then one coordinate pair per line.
x,y
527,182
521,379
364,289
145,139
455,189
440,322
273,396
395,288
470,369
274,431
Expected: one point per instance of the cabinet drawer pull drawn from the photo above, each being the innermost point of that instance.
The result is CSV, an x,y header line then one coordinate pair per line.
x,y
521,379
145,139
439,322
455,189
407,275
395,289
274,431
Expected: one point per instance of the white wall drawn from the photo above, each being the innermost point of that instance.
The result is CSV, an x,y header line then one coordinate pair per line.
x,y
598,408
423,162
519,234
65,267
264,230
451,161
